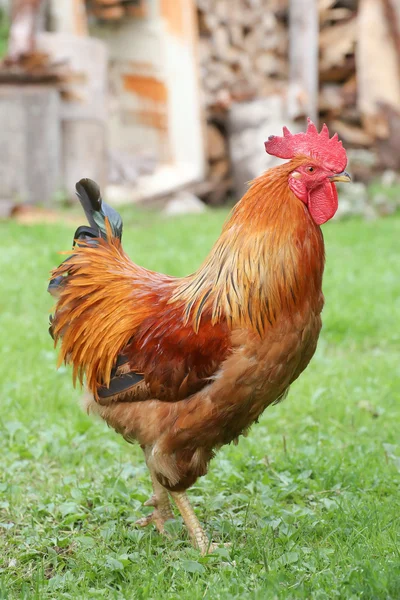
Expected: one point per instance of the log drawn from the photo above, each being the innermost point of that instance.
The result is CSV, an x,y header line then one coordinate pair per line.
x,y
220,40
222,10
109,13
216,145
219,170
107,2
331,99
389,149
336,44
249,126
269,64
236,36
349,90
219,192
377,68
392,11
351,134
137,11
303,58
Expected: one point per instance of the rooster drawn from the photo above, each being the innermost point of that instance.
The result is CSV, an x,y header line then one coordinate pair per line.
x,y
186,365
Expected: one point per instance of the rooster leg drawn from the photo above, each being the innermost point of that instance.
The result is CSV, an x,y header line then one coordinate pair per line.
x,y
197,534
162,508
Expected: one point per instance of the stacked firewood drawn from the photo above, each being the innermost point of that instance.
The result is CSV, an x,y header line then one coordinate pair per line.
x,y
244,54
243,48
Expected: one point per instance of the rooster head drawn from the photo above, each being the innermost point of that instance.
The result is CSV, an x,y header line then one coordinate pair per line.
x,y
320,161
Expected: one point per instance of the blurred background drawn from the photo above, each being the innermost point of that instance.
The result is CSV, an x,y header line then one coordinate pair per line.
x,y
170,101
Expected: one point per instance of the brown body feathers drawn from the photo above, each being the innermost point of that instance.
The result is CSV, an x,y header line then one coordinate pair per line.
x,y
214,349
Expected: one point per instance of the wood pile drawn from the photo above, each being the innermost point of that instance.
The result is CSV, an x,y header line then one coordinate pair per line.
x,y
243,49
359,71
244,54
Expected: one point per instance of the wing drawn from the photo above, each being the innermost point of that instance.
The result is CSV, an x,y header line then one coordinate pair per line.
x,y
119,328
167,360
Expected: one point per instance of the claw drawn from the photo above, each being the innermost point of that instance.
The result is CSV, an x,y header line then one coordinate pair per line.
x,y
213,546
152,501
144,521
157,519
162,509
161,513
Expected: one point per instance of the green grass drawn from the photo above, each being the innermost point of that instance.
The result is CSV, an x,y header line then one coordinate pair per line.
x,y
4,31
310,500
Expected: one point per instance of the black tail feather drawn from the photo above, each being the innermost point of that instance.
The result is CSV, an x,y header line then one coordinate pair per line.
x,y
96,210
89,196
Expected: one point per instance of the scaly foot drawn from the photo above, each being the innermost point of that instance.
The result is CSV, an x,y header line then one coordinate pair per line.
x,y
196,532
162,512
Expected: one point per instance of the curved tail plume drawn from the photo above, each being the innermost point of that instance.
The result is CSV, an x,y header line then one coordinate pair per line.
x,y
96,210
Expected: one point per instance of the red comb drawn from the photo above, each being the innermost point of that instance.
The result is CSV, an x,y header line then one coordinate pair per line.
x,y
328,150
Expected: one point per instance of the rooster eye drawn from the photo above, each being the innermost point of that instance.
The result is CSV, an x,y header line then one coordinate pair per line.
x,y
310,169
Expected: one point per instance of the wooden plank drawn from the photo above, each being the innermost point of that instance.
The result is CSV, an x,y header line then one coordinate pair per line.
x,y
337,43
30,143
352,134
303,57
377,68
216,145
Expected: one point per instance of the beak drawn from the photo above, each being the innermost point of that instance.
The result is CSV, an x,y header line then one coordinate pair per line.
x,y
343,176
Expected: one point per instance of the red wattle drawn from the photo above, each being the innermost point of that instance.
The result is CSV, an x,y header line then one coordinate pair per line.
x,y
323,202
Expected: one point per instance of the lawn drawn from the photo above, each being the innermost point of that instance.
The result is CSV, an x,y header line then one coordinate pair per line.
x,y
4,27
310,499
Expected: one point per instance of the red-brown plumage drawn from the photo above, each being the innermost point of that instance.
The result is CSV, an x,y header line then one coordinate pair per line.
x,y
214,348
175,360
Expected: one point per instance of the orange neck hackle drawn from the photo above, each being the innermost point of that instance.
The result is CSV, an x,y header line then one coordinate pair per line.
x,y
268,259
